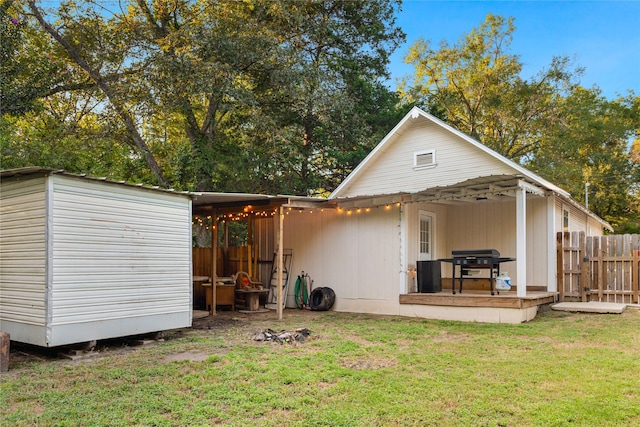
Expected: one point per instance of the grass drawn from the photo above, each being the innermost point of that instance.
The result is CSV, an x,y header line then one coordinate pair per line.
x,y
355,370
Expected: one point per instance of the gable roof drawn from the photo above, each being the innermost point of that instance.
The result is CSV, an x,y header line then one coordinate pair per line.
x,y
433,192
417,113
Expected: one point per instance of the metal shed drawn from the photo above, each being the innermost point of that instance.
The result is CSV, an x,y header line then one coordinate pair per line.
x,y
84,259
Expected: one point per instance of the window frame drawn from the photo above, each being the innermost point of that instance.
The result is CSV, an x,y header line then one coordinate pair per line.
x,y
417,154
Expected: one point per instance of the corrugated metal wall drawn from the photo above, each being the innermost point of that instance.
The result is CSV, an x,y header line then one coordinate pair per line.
x,y
86,260
118,253
22,255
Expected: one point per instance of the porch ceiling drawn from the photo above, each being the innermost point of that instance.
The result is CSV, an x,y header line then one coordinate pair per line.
x,y
206,202
493,187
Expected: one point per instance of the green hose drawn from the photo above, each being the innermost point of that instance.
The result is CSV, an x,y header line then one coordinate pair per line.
x,y
301,293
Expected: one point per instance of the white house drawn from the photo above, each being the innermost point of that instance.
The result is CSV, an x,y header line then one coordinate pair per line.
x,y
83,259
424,191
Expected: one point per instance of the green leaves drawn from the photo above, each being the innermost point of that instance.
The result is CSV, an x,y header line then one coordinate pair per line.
x,y
568,134
256,96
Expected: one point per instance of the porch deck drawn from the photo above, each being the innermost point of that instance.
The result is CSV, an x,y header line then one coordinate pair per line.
x,y
479,298
475,305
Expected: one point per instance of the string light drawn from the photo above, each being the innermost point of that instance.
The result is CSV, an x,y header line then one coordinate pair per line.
x,y
248,211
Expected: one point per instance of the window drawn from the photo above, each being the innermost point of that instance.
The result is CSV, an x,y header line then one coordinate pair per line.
x,y
565,219
424,159
425,236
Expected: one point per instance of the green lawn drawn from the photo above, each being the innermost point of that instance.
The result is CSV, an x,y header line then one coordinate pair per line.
x,y
354,370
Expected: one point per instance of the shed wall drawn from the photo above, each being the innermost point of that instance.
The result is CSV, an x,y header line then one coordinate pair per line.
x,y
23,225
121,261
86,260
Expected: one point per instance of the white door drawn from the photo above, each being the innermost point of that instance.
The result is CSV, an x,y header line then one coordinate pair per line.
x,y
425,237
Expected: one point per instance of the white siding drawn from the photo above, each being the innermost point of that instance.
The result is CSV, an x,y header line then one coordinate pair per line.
x,y
392,171
22,256
578,220
537,243
86,260
119,254
356,254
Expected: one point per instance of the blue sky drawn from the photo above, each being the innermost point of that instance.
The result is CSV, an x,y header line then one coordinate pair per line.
x,y
603,36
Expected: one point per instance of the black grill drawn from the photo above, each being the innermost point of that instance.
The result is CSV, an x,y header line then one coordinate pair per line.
x,y
476,259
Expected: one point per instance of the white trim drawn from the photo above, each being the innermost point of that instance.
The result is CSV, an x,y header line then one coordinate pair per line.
x,y
49,189
521,242
432,235
552,281
420,153
403,285
567,209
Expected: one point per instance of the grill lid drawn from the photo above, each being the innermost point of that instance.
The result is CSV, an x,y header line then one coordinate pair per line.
x,y
476,253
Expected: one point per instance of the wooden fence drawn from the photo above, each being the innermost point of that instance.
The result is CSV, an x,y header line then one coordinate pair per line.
x,y
230,261
598,268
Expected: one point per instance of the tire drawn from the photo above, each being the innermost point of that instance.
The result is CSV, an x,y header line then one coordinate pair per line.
x,y
322,299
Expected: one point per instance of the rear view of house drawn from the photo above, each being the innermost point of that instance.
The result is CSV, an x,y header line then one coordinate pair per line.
x,y
86,259
425,192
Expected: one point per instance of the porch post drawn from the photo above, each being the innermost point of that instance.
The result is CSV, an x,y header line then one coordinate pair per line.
x,y
214,259
280,261
521,241
403,251
552,283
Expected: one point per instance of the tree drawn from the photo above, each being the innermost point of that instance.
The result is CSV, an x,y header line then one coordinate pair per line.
x,y
591,144
27,71
475,85
242,83
331,111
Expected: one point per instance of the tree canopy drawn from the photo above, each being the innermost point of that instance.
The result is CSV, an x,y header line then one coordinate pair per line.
x,y
224,95
288,97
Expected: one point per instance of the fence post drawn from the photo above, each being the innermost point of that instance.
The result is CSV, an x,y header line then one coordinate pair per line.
x,y
585,282
5,339
634,275
559,266
601,268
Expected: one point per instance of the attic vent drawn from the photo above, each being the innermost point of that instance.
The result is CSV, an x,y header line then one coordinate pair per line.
x,y
423,159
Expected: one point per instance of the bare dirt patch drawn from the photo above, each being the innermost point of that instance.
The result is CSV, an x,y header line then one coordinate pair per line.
x,y
368,363
232,326
189,356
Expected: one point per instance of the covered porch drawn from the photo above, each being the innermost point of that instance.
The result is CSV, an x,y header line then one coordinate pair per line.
x,y
256,261
508,213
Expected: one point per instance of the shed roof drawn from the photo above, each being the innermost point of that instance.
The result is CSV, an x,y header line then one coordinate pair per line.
x,y
34,171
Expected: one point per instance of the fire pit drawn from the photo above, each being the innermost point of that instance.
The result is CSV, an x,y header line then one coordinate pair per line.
x,y
476,259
